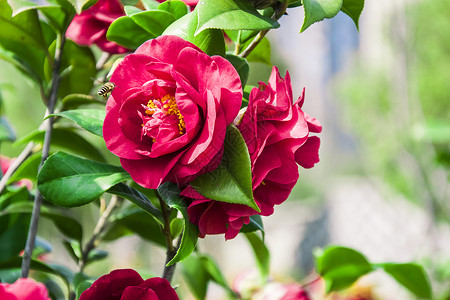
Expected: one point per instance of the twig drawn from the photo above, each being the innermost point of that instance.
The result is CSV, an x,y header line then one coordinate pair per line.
x,y
98,230
45,151
102,60
15,164
279,12
171,250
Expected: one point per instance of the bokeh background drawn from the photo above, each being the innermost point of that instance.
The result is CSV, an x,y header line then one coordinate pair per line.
x,y
382,187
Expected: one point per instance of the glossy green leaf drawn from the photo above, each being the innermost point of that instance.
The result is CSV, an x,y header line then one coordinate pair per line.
x,y
79,5
241,65
231,182
231,15
67,225
341,267
318,10
412,276
65,138
96,255
6,131
177,8
73,248
82,286
127,33
138,199
153,21
170,193
69,181
262,254
23,28
134,220
353,8
89,119
129,2
211,41
75,100
245,35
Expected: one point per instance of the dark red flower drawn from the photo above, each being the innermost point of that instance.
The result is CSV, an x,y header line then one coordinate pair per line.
x,y
277,134
167,117
127,284
91,25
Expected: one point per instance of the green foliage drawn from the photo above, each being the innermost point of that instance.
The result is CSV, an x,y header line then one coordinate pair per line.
x,y
170,194
231,182
62,175
231,15
353,8
6,131
241,65
211,41
340,267
89,119
262,254
318,10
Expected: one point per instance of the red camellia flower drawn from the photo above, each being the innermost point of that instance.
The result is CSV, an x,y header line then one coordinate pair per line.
x,y
167,116
191,3
279,291
91,25
127,284
277,134
23,289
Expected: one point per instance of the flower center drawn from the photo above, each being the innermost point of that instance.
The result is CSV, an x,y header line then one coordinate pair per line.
x,y
166,111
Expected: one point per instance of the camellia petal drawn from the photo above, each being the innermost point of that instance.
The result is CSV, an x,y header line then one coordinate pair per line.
x,y
167,116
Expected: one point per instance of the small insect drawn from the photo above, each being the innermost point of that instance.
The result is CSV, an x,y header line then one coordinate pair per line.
x,y
106,89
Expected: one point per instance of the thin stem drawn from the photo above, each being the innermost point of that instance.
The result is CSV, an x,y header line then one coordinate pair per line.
x,y
171,250
237,49
102,60
15,164
279,12
310,280
98,230
48,123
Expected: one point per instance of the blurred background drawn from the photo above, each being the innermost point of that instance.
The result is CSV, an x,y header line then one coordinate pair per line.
x,y
383,97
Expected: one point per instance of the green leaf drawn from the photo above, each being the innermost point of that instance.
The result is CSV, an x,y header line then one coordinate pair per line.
x,y
126,32
254,225
89,119
231,182
195,276
129,2
134,220
211,41
79,65
75,100
261,53
67,225
23,28
153,21
231,15
6,131
137,198
131,10
73,248
20,64
412,276
353,8
96,255
210,265
176,227
241,65
79,5
177,8
69,181
341,267
13,236
150,4
170,193
28,169
262,254
318,10
67,139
